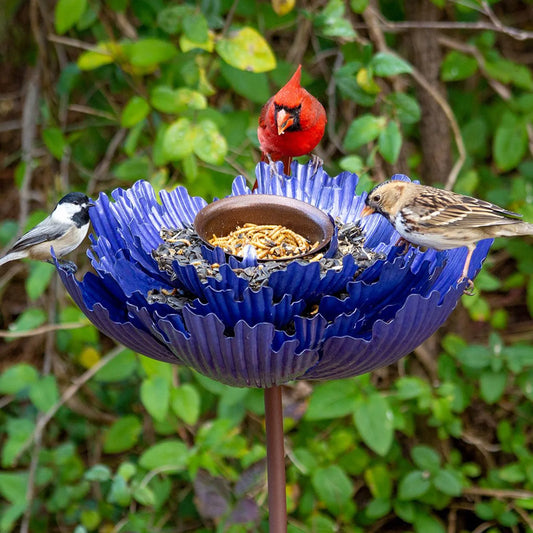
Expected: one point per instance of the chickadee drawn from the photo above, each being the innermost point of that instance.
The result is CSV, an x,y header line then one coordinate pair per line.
x,y
63,230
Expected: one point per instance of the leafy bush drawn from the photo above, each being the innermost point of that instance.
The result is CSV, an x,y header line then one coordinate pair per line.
x,y
171,92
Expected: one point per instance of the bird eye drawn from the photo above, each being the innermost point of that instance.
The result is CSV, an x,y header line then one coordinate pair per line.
x,y
376,198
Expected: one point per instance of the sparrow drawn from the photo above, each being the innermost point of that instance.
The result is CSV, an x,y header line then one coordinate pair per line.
x,y
63,230
291,123
440,219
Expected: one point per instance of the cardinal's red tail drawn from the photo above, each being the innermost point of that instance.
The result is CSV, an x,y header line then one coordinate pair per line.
x,y
286,160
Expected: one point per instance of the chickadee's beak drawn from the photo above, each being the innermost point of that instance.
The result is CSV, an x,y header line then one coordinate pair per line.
x,y
91,204
284,120
367,210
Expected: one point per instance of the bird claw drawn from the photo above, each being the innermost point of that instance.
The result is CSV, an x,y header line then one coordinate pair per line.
x,y
316,163
469,287
273,166
69,266
405,243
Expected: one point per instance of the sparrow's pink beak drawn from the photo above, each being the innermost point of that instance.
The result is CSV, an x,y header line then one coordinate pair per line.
x,y
367,210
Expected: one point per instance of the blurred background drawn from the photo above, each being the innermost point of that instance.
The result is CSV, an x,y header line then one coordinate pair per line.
x,y
96,94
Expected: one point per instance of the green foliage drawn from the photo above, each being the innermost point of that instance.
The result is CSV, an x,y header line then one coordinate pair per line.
x,y
171,92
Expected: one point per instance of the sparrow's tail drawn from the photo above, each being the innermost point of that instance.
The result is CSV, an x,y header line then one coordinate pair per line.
x,y
511,230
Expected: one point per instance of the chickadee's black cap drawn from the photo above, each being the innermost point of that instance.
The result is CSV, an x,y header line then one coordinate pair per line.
x,y
74,198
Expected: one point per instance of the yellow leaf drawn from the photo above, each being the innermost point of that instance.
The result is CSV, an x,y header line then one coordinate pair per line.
x,y
366,82
282,7
246,49
103,54
89,357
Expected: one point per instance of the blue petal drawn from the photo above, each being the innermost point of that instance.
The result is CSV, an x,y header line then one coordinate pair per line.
x,y
246,359
119,328
416,321
253,308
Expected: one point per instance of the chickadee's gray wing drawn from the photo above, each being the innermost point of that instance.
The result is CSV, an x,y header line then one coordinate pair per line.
x,y
43,232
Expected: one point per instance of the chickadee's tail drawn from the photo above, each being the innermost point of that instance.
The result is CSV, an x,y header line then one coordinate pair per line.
x,y
13,256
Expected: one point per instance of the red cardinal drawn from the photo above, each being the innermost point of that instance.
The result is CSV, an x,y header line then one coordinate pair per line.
x,y
291,123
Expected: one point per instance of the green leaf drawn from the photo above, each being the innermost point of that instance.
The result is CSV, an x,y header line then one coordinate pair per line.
x,y
150,52
425,523
120,492
170,18
196,28
390,142
18,431
252,85
510,142
10,515
122,435
378,508
209,144
136,109
412,387
363,130
155,396
448,482
134,168
385,64
171,454
333,487
405,107
28,320
98,473
426,458
492,385
55,141
44,393
17,378
333,399
474,356
374,421
379,480
144,495
185,402
358,6
13,486
178,140
457,66
413,485
332,21
246,49
119,368
67,13
40,275
168,100
512,473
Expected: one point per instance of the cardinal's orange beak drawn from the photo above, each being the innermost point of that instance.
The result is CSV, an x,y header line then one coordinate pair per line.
x,y
284,120
367,210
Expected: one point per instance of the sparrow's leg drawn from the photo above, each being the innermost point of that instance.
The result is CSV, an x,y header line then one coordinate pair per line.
x,y
405,243
464,276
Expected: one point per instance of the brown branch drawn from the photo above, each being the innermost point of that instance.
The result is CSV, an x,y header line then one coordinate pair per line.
x,y
514,494
47,328
447,110
65,397
75,43
387,25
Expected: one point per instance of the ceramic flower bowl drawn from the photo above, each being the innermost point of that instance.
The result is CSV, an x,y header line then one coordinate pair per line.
x,y
223,216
